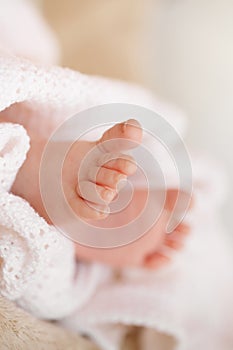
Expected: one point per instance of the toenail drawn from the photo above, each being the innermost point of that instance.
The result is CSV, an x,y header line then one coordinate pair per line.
x,y
108,195
125,124
131,167
121,184
131,122
104,212
120,177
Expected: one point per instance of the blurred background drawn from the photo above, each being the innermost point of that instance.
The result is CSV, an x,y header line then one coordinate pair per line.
x,y
182,49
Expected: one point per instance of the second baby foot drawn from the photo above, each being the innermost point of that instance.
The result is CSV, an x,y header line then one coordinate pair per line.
x,y
93,172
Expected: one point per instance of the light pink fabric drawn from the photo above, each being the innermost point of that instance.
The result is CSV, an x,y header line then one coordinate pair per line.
x,y
24,32
190,299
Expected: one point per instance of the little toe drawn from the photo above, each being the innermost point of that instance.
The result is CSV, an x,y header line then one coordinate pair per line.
x,y
88,210
183,228
175,244
156,260
176,239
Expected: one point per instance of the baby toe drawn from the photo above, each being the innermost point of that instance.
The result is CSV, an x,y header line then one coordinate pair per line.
x,y
121,136
88,210
122,163
156,260
95,193
106,177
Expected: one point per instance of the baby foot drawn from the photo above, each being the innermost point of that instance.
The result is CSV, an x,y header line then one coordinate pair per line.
x,y
102,169
90,198
172,242
153,250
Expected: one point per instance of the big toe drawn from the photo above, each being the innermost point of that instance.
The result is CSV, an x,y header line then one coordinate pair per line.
x,y
122,136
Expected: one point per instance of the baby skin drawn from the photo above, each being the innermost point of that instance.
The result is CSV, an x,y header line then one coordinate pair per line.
x,y
103,169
